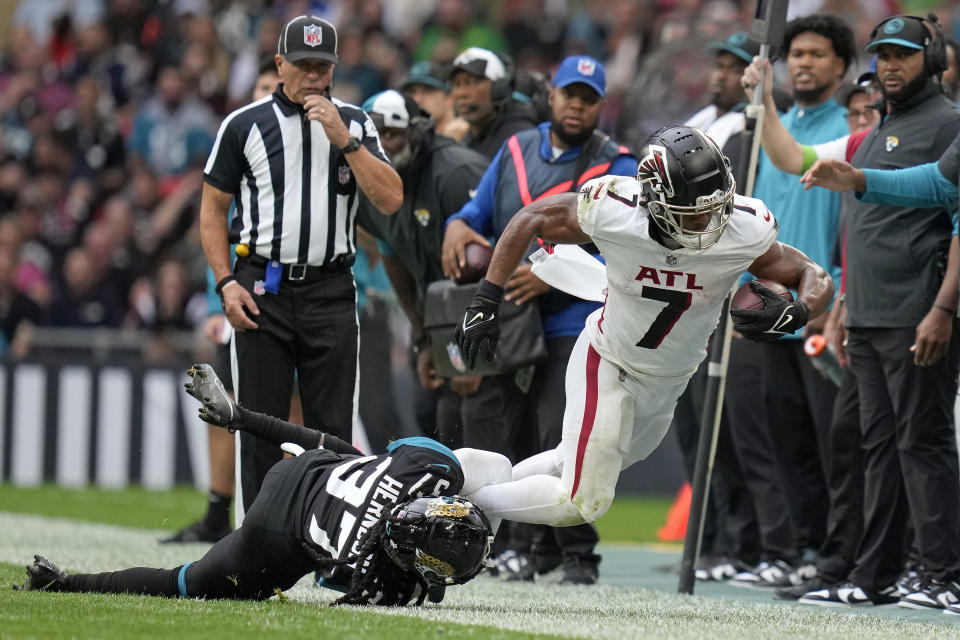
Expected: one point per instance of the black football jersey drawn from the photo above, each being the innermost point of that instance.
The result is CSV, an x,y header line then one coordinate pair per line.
x,y
343,496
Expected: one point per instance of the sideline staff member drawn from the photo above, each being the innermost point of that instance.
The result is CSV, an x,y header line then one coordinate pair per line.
x,y
293,162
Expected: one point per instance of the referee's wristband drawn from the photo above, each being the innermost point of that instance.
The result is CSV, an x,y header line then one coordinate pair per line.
x,y
944,308
224,282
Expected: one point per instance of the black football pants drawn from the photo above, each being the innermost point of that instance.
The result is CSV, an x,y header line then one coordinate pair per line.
x,y
253,562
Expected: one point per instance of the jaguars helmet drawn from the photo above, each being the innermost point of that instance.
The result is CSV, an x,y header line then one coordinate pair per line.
x,y
444,539
683,174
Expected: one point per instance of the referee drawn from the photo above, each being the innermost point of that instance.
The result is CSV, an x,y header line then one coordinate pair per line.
x,y
293,163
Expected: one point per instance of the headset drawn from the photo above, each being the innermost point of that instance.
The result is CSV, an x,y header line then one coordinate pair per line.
x,y
934,47
502,89
421,126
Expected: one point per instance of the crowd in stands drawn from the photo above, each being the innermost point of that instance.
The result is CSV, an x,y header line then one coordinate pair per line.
x,y
108,109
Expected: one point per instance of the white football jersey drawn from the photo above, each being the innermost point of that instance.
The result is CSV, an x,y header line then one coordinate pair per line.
x,y
662,304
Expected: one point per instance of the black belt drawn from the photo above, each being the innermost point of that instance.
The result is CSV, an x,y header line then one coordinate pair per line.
x,y
303,272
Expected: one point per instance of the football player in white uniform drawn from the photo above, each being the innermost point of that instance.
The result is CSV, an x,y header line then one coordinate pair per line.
x,y
675,241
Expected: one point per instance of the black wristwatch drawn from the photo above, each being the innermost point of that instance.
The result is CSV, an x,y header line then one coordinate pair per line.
x,y
352,145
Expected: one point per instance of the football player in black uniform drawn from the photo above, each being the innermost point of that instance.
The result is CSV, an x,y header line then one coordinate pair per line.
x,y
384,529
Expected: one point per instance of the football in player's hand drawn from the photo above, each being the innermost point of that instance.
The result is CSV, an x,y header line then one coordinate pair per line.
x,y
477,258
746,298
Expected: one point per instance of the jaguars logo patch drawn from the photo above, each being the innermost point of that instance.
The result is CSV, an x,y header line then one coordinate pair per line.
x,y
896,25
422,216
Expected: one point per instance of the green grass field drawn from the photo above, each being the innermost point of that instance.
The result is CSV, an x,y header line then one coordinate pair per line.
x,y
107,530
629,520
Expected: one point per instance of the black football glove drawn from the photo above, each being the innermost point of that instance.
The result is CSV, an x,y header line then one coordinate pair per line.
x,y
480,329
776,319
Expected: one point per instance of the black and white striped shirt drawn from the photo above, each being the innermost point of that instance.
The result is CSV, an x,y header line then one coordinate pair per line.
x,y
296,196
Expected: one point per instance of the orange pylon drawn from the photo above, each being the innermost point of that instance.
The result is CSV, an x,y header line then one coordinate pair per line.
x,y
675,528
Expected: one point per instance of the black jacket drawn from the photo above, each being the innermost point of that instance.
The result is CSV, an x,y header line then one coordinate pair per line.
x,y
436,184
896,255
510,119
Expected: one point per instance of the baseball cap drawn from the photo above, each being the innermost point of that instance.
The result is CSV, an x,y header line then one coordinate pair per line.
x,y
480,62
905,31
391,106
847,91
426,73
739,44
583,69
867,76
308,37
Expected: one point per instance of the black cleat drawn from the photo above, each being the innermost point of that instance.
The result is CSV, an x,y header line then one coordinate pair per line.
x,y
198,532
43,575
582,570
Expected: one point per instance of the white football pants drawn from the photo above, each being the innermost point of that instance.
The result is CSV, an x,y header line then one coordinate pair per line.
x,y
480,469
612,420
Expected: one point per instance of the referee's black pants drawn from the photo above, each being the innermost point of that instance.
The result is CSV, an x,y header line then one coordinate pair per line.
x,y
253,562
800,409
910,456
308,328
753,443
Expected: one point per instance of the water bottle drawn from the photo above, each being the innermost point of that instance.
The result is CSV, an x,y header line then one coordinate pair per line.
x,y
823,358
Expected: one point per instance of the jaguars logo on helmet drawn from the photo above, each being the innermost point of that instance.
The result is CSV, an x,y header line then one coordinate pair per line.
x,y
445,540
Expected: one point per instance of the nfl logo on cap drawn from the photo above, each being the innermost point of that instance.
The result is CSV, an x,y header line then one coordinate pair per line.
x,y
312,34
583,69
319,40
